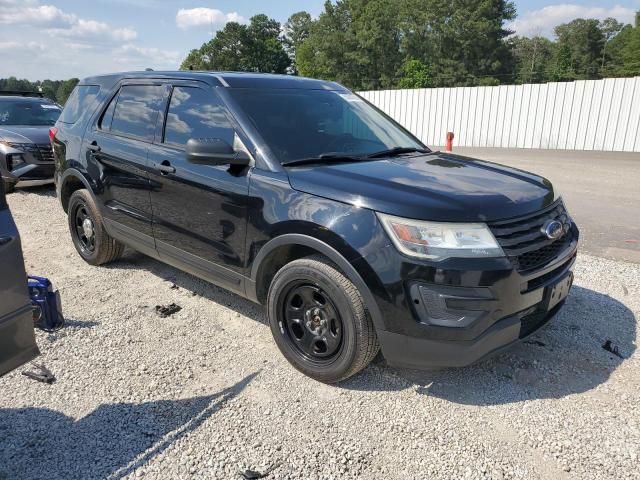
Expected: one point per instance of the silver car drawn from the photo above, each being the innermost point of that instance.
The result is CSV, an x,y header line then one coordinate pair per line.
x,y
26,158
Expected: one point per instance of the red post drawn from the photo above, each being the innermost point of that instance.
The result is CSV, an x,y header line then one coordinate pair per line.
x,y
449,146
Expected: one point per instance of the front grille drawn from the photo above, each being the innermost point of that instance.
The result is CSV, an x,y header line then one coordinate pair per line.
x,y
524,242
42,152
46,152
542,279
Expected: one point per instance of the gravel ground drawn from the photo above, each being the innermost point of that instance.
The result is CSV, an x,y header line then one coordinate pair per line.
x,y
205,393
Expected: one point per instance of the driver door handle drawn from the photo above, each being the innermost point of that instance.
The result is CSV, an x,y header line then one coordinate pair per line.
x,y
166,168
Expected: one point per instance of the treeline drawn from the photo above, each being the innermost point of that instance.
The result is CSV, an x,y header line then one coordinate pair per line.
x,y
374,44
56,90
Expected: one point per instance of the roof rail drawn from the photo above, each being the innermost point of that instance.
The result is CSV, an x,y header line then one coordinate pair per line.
x,y
21,93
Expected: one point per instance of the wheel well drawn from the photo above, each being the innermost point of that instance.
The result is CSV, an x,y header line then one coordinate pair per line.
x,y
277,259
70,185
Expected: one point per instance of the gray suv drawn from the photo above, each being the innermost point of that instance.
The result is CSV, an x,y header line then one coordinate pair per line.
x,y
26,158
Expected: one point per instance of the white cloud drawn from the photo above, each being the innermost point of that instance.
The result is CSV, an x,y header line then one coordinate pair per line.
x,y
205,17
60,23
22,47
543,21
94,30
145,57
15,14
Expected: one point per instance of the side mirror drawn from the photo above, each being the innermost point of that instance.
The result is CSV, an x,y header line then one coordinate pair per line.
x,y
214,151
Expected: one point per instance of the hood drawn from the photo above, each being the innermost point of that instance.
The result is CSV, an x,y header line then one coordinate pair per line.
x,y
438,187
17,134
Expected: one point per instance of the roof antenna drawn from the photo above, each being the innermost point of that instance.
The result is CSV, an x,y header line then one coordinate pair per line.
x,y
190,67
148,69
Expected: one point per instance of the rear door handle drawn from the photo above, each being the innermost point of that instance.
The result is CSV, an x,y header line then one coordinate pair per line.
x,y
93,146
166,168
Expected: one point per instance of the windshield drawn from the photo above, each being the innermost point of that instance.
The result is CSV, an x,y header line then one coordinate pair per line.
x,y
19,112
301,124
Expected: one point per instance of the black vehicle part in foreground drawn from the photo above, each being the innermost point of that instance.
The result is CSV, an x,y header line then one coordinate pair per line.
x,y
17,340
301,196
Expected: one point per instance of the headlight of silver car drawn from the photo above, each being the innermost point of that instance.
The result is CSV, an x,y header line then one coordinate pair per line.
x,y
440,240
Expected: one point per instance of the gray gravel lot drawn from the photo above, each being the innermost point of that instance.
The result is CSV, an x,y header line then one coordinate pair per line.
x,y
206,393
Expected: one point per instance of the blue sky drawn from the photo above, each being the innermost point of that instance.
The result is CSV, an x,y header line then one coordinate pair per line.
x,y
64,38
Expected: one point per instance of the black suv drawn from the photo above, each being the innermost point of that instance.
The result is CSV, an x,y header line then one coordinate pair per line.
x,y
300,195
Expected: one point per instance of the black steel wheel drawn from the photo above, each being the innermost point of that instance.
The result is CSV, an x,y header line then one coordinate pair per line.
x,y
319,321
85,228
89,237
312,322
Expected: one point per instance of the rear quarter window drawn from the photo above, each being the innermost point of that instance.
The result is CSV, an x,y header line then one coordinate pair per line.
x,y
79,101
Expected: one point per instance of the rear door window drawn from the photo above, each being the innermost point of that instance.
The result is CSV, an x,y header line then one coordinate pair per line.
x,y
79,101
136,111
196,113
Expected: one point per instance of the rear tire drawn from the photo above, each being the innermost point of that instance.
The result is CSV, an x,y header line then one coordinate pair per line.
x,y
92,242
319,321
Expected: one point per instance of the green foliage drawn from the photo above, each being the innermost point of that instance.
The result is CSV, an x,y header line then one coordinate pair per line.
x,y
296,31
579,49
56,90
367,43
624,53
533,58
256,47
415,74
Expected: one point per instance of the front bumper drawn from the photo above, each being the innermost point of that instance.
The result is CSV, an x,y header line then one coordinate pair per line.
x,y
492,304
37,170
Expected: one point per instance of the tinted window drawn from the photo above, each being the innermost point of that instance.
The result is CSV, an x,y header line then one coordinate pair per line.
x,y
196,113
27,112
107,116
307,123
79,101
136,111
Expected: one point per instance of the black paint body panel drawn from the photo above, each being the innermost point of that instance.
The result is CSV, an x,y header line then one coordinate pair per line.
x,y
17,338
225,224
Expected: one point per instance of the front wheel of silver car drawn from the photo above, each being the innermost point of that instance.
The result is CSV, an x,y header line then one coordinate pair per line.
x,y
319,321
92,242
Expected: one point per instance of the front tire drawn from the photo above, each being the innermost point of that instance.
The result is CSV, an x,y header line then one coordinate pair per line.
x,y
92,242
319,321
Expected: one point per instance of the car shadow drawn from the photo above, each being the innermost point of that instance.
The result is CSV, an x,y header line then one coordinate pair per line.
x,y
111,442
48,190
564,358
190,283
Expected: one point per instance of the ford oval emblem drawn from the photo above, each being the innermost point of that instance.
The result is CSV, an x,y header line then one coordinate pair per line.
x,y
553,229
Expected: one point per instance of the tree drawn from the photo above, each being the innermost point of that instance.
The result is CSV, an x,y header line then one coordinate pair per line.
x,y
533,58
462,41
355,42
624,53
296,31
65,89
415,74
579,50
256,47
610,28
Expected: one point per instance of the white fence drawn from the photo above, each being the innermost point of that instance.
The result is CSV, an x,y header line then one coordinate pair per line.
x,y
583,115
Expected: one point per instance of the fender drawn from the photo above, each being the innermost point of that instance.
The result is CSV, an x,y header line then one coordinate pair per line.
x,y
76,174
329,252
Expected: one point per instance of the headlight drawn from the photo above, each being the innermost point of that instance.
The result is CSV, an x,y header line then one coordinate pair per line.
x,y
437,241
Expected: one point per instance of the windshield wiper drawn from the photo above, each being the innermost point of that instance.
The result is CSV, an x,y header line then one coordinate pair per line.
x,y
324,158
392,152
